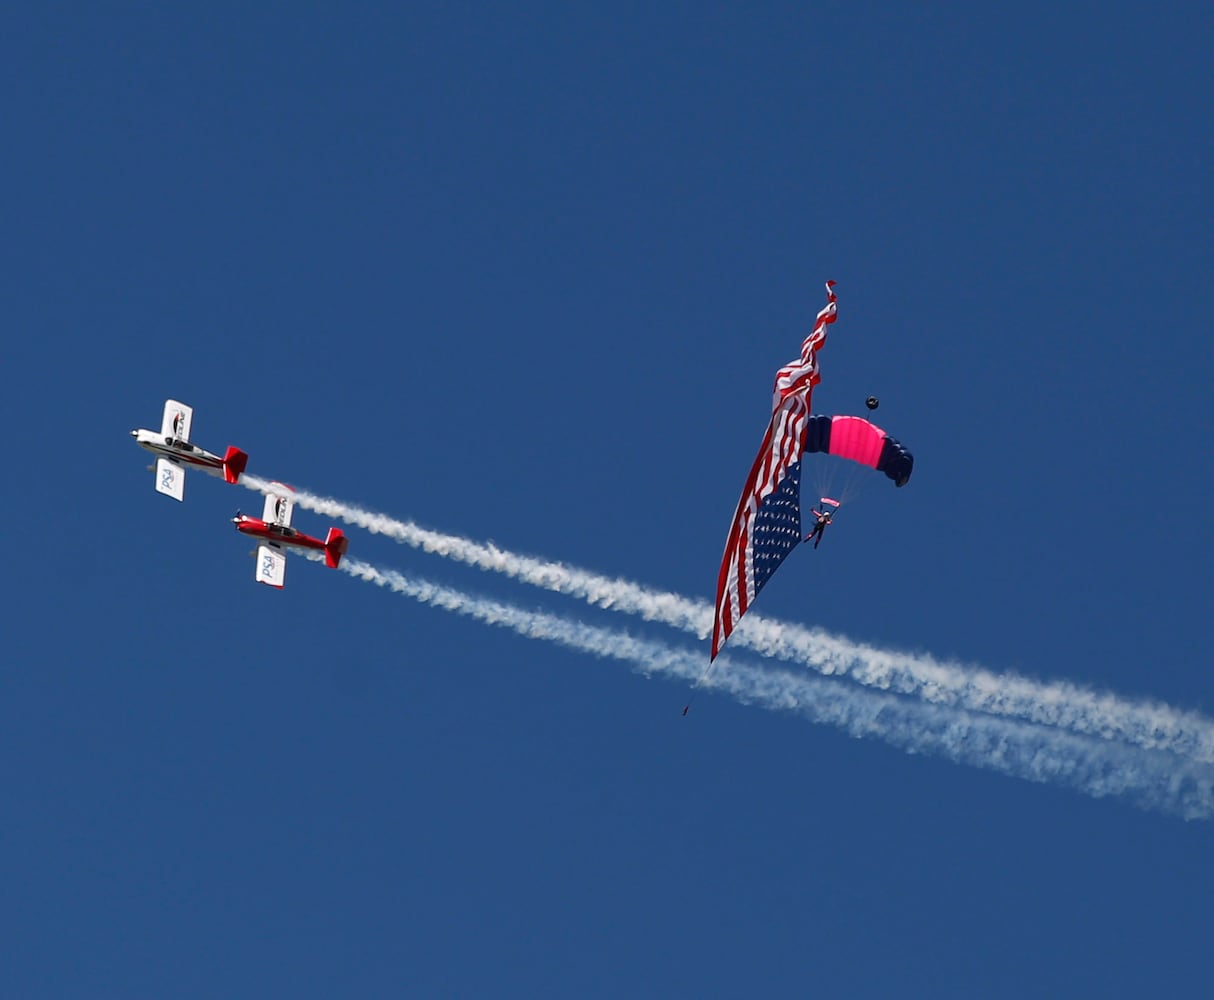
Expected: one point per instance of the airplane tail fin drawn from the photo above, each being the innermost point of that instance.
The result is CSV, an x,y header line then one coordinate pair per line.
x,y
234,461
335,547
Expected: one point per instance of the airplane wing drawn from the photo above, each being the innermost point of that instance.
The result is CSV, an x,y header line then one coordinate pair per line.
x,y
170,479
271,565
176,421
279,506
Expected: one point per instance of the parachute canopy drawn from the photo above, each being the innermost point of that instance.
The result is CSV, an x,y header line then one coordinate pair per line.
x,y
860,441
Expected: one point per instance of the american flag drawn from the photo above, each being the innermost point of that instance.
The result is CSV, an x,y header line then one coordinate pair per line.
x,y
767,524
802,373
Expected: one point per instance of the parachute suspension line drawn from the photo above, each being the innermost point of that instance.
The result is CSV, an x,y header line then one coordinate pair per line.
x,y
842,481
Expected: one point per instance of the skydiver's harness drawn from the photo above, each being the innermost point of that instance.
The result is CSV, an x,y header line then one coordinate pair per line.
x,y
823,519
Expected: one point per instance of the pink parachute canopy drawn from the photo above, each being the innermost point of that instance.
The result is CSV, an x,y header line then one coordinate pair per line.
x,y
860,441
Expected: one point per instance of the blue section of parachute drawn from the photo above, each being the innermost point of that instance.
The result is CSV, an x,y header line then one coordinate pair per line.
x,y
777,527
817,433
896,462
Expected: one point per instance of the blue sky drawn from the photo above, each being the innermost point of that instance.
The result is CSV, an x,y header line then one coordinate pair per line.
x,y
525,275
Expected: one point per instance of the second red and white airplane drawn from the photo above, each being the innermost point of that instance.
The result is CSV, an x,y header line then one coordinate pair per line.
x,y
274,528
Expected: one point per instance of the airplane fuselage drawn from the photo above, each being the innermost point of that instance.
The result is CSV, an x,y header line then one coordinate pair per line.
x,y
276,534
181,452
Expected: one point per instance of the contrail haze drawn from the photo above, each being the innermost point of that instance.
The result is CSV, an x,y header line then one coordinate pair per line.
x,y
1149,778
1064,706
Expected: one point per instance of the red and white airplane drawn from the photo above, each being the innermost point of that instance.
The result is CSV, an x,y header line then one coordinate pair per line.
x,y
173,452
274,527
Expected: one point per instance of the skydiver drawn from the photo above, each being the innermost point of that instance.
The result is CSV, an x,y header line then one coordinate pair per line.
x,y
822,520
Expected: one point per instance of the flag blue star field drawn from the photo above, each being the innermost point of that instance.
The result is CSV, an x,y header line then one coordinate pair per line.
x,y
767,524
777,527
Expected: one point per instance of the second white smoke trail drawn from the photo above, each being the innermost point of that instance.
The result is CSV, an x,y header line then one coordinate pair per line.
x,y
1151,779
1148,725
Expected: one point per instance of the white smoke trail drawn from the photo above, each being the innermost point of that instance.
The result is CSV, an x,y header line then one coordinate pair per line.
x,y
1149,725
1150,779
